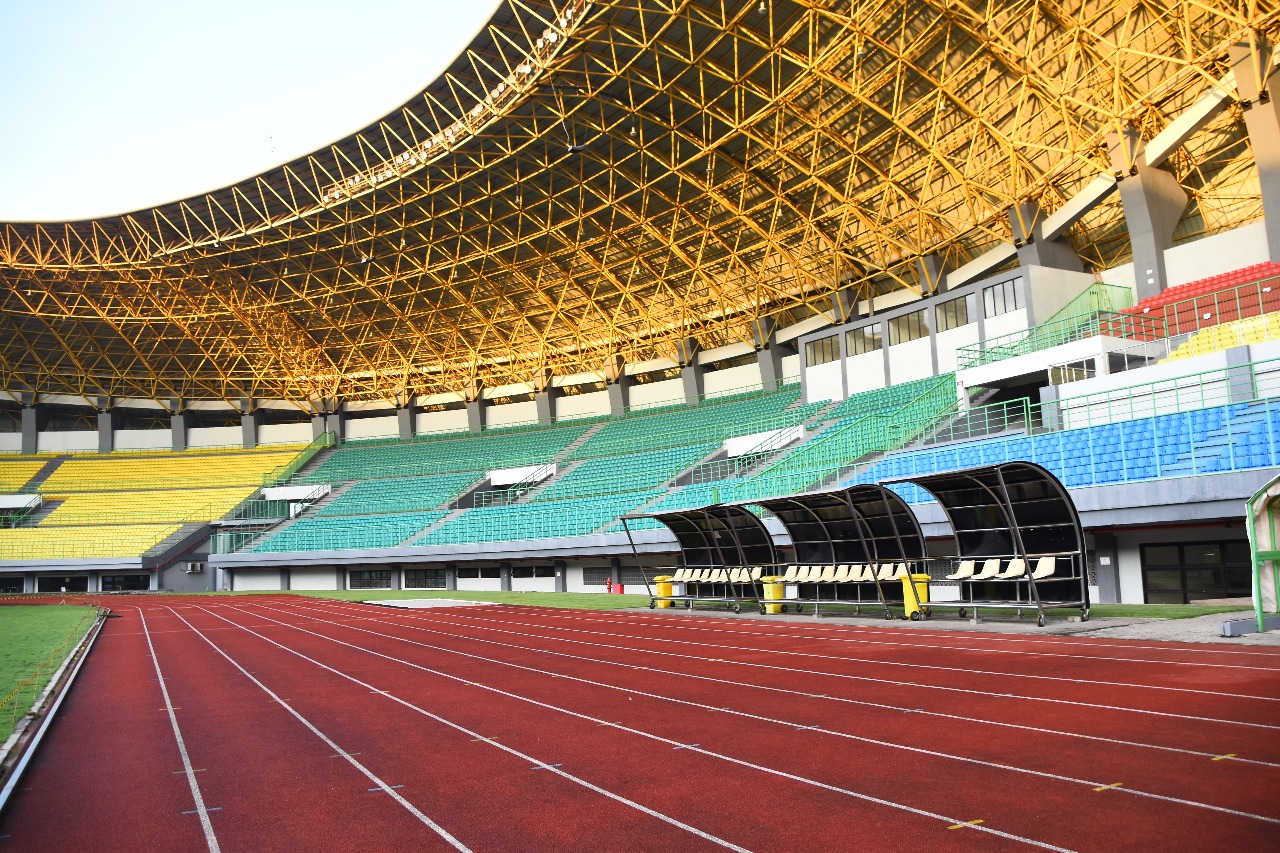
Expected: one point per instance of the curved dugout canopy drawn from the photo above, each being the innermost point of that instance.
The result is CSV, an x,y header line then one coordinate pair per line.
x,y
860,524
720,536
1015,508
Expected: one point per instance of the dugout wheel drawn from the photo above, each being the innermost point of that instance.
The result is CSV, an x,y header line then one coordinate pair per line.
x,y
888,614
652,604
782,608
736,607
1040,620
916,616
760,607
688,604
962,612
1084,615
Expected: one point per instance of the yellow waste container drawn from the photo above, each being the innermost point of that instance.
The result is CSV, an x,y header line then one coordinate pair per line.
x,y
774,591
662,587
915,596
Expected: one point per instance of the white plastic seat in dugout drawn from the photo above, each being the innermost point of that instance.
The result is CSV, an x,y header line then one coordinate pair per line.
x,y
1017,568
963,571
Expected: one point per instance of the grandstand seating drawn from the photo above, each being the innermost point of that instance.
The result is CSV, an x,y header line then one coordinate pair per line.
x,y
713,420
536,520
1237,295
402,494
14,473
626,473
165,469
1212,284
1232,437
318,533
376,459
1254,330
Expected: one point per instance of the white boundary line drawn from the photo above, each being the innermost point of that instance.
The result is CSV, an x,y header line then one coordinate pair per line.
x,y
457,727
381,785
951,821
205,823
799,693
718,710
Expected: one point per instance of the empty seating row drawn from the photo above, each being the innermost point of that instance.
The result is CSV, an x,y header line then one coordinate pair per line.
x,y
740,574
846,573
992,570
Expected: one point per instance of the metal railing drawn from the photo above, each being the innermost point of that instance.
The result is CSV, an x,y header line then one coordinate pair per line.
x,y
1211,309
1058,332
285,472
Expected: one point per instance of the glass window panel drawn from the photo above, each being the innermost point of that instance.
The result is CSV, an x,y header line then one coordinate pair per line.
x,y
1161,555
1203,554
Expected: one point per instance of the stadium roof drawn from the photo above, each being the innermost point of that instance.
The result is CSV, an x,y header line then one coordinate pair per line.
x,y
598,178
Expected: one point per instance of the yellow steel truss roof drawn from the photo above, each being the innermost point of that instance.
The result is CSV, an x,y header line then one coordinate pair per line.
x,y
592,178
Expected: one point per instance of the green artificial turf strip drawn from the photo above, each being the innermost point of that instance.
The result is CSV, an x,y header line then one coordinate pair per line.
x,y
1158,611
31,635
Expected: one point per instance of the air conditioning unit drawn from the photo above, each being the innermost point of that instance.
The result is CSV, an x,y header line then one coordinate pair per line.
x,y
195,568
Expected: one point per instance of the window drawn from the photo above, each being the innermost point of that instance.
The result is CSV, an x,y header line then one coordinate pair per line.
x,y
864,340
369,579
908,327
1002,298
468,574
822,351
125,583
953,313
1186,573
424,579
533,571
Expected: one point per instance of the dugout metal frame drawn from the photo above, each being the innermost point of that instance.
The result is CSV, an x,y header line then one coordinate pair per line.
x,y
722,537
863,524
1014,510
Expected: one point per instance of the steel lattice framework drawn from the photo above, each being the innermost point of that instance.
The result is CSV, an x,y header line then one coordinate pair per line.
x,y
600,178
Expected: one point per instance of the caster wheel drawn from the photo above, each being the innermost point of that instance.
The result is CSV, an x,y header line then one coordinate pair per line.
x,y
928,612
652,605
1040,621
761,609
688,605
737,608
799,609
962,612
916,616
1084,615
888,614
782,608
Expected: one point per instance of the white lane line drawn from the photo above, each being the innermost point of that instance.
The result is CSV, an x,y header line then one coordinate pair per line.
x,y
368,774
799,693
554,768
614,725
787,723
911,684
210,838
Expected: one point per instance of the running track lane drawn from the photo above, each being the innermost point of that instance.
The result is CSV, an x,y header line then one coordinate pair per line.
x,y
826,672
1038,799
755,806
1226,783
492,796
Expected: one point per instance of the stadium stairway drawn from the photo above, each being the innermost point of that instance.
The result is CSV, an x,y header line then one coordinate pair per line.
x,y
433,526
175,544
33,485
573,446
563,469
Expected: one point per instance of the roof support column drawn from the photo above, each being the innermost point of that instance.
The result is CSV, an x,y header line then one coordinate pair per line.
x,y
1035,247
33,420
179,422
1153,202
473,394
249,421
1260,93
769,353
404,414
107,422
931,271
544,396
690,371
618,384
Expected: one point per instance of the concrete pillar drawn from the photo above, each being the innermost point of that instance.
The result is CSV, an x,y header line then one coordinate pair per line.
x,y
250,419
397,577
1240,385
1050,414
473,394
317,426
1035,248
1107,559
504,577
931,272
286,578
691,380
1261,100
341,574
404,420
33,420
1153,202
844,306
619,396
107,422
615,570
545,403
562,576
179,422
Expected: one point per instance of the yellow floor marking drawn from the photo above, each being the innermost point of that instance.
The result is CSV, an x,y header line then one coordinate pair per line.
x,y
1223,757
1109,787
966,823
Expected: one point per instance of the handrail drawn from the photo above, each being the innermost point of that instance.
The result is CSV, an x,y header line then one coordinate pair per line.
x,y
1058,332
1188,315
284,472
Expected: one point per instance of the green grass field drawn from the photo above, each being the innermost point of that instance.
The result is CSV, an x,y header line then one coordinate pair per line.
x,y
34,640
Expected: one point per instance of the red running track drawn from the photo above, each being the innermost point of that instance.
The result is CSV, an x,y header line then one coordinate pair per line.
x,y
291,723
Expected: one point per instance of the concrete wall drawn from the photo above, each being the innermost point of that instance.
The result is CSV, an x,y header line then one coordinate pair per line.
x,y
1007,323
866,371
10,442
511,414
911,360
78,440
450,420
1230,250
243,580
284,433
657,393
790,368
825,382
950,341
1048,290
745,377
583,405
533,584
383,427
230,436
146,439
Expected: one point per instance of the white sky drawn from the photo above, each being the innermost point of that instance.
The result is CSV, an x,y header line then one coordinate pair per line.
x,y
107,107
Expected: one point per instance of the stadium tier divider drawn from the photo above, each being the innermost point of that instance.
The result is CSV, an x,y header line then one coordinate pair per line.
x,y
537,520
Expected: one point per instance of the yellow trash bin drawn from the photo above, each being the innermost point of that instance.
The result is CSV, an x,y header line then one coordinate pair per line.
x,y
774,591
915,596
662,587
